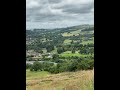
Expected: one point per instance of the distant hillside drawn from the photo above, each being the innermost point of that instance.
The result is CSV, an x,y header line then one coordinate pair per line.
x,y
36,32
71,27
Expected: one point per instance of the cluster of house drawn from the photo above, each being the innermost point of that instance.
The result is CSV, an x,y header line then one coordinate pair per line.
x,y
36,56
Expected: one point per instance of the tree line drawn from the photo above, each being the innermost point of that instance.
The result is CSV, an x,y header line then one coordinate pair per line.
x,y
71,66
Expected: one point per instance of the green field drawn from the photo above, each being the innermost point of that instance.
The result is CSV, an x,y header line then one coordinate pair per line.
x,y
44,50
86,42
71,33
33,74
70,54
67,41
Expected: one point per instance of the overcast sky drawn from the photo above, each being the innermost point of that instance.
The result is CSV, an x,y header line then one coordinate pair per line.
x,y
58,13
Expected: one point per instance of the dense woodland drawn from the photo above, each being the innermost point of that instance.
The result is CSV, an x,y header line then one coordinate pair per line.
x,y
72,48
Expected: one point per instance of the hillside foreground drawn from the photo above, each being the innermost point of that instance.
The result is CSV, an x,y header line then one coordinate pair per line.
x,y
80,80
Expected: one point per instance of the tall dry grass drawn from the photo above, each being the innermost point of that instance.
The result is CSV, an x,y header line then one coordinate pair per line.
x,y
81,80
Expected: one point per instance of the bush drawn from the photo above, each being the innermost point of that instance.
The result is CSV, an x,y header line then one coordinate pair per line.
x,y
58,61
63,67
37,66
46,66
29,58
28,66
31,69
61,57
55,56
54,70
91,64
85,65
73,66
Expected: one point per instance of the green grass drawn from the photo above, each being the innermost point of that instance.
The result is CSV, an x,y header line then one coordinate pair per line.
x,y
89,85
34,74
55,50
86,42
43,39
67,41
44,50
71,33
77,32
70,54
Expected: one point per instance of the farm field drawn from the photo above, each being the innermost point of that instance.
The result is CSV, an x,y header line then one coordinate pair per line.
x,y
67,41
71,33
70,54
86,42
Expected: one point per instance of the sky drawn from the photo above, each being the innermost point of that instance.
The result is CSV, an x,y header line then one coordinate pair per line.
x,y
58,13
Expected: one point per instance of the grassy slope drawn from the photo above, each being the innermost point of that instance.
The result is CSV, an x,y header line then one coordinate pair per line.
x,y
33,75
80,80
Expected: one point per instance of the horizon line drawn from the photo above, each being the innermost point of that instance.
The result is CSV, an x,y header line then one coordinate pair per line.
x,y
59,27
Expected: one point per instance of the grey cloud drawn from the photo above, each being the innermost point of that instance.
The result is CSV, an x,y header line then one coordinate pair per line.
x,y
79,9
54,1
58,10
51,17
75,7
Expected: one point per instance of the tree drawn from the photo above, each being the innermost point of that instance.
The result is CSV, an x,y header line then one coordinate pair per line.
x,y
72,42
63,67
37,66
55,56
28,66
73,50
53,70
84,65
60,50
49,48
46,66
31,69
73,66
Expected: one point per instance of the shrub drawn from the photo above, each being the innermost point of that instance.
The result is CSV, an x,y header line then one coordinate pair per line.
x,y
86,64
73,66
53,70
31,69
46,66
37,66
28,66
